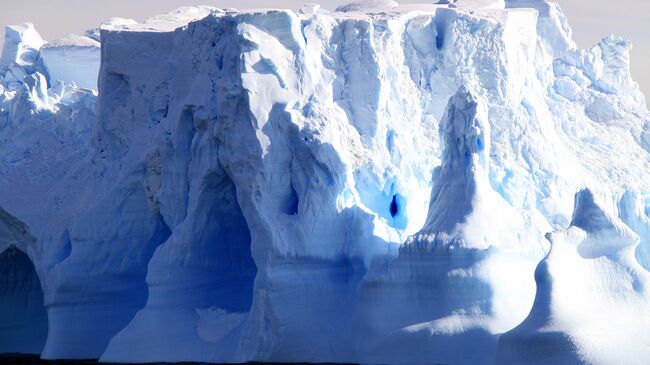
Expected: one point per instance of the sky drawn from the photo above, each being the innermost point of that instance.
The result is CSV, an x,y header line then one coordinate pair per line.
x,y
591,20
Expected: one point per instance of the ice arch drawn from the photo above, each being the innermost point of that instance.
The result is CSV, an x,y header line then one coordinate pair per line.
x,y
224,241
23,319
210,294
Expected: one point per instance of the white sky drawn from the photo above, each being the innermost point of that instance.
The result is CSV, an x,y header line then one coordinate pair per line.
x,y
591,20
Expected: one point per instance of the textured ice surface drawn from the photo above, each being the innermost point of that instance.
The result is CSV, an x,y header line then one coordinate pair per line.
x,y
435,183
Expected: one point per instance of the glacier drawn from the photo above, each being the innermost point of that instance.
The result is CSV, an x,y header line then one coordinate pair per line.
x,y
384,183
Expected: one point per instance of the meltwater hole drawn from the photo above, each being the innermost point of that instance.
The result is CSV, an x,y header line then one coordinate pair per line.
x,y
394,208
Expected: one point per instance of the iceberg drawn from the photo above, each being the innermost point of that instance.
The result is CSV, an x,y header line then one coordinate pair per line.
x,y
384,183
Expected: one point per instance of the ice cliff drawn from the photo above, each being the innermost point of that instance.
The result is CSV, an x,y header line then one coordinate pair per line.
x,y
385,183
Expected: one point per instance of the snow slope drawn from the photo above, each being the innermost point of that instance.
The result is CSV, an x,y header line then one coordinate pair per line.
x,y
374,184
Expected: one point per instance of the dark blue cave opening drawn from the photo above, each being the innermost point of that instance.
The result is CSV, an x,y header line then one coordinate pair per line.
x,y
397,211
292,202
23,319
223,271
394,208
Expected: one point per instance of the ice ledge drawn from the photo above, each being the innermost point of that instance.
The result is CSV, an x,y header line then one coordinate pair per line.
x,y
181,17
166,22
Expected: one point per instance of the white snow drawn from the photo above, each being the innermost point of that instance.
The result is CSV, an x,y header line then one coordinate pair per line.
x,y
367,6
420,183
164,22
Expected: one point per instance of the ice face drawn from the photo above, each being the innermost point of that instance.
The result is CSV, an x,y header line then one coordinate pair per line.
x,y
369,185
72,60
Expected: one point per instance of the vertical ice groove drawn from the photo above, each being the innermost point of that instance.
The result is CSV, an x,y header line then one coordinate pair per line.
x,y
633,212
446,279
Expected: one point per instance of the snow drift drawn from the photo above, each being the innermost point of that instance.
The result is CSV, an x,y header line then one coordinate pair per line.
x,y
383,183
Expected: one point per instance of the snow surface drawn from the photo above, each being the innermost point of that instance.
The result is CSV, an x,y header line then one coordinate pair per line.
x,y
424,183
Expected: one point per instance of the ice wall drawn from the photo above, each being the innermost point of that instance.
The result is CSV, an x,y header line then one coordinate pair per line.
x,y
72,60
367,185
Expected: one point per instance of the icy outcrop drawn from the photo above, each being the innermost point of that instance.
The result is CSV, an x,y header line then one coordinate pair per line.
x,y
592,296
368,185
20,49
466,277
